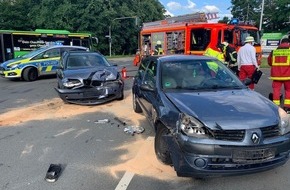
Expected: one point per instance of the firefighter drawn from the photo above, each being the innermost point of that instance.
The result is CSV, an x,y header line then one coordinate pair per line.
x,y
230,55
216,54
158,48
137,58
279,60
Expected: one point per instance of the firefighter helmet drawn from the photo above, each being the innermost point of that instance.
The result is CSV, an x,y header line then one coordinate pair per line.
x,y
158,42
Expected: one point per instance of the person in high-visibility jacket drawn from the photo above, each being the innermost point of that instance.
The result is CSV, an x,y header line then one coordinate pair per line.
x,y
279,60
216,54
158,48
231,55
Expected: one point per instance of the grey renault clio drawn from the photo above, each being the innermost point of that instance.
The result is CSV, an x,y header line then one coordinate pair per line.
x,y
207,122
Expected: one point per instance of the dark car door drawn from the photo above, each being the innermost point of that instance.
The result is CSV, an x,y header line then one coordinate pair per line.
x,y
149,97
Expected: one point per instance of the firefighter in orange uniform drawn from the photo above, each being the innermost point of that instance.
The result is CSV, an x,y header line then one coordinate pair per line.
x,y
279,60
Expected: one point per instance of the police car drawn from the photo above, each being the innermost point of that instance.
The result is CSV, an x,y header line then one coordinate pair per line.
x,y
42,61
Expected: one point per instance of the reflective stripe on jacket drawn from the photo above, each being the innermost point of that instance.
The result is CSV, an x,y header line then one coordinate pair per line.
x,y
279,60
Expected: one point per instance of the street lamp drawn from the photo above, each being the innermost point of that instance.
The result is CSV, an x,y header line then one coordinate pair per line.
x,y
110,29
261,18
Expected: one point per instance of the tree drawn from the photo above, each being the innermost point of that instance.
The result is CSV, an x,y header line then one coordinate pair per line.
x,y
224,20
93,16
276,15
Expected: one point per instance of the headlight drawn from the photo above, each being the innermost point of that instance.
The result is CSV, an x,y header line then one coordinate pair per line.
x,y
191,126
284,121
14,65
70,83
110,77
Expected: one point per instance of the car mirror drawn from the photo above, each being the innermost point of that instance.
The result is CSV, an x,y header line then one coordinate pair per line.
x,y
147,87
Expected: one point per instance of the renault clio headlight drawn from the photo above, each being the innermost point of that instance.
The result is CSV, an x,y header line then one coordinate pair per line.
x,y
191,126
284,122
70,83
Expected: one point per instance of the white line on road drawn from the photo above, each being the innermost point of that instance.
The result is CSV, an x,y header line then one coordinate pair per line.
x,y
126,179
124,182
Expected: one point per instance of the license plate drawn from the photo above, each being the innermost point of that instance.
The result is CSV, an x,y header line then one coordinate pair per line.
x,y
253,156
94,93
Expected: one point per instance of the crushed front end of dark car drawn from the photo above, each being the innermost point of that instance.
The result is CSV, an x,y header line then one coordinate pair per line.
x,y
87,78
207,122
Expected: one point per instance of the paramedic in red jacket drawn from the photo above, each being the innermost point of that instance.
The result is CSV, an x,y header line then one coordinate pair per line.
x,y
279,60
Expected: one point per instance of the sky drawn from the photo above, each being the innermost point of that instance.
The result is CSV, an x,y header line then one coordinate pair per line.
x,y
181,7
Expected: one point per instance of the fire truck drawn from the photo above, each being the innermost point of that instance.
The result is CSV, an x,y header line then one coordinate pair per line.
x,y
194,34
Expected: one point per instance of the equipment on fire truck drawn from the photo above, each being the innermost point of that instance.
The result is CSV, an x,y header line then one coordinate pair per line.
x,y
192,34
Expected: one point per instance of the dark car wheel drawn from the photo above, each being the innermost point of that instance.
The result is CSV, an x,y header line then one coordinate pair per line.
x,y
30,74
161,147
121,97
136,105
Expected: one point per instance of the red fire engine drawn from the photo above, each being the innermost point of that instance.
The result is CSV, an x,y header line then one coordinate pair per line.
x,y
193,34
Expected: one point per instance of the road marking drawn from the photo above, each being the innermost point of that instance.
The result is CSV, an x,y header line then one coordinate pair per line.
x,y
125,181
64,132
127,177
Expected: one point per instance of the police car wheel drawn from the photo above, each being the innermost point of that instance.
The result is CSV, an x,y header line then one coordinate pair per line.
x,y
30,74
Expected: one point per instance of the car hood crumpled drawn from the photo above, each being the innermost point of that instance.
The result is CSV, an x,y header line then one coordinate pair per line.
x,y
228,109
100,73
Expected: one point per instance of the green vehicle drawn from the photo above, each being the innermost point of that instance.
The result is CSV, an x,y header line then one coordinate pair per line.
x,y
270,41
15,43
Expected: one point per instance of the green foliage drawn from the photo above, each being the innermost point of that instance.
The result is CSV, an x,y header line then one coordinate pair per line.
x,y
224,20
276,17
93,16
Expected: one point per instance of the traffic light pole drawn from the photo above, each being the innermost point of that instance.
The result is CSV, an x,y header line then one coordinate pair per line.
x,y
110,31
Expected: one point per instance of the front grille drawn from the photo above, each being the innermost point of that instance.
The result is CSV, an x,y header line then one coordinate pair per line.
x,y
228,135
271,131
97,83
92,83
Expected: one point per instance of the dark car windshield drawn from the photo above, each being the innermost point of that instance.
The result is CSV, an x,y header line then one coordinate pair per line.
x,y
198,75
85,61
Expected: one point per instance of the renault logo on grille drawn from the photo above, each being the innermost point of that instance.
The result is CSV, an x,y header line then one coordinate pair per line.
x,y
255,138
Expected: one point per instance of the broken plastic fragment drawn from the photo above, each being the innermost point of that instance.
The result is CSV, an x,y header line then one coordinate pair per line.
x,y
133,129
102,121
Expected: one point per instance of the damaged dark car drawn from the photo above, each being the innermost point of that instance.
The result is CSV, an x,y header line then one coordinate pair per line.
x,y
207,122
87,78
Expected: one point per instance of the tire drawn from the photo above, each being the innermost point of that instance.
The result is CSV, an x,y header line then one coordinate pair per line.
x,y
136,106
161,147
30,74
121,96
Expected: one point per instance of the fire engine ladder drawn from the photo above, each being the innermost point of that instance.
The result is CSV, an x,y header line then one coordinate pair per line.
x,y
188,18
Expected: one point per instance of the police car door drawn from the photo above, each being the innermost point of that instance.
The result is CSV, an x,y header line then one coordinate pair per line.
x,y
47,61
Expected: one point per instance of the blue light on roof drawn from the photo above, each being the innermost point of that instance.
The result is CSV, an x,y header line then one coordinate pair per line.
x,y
234,21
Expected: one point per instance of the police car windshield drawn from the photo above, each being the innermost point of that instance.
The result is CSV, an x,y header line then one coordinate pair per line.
x,y
34,52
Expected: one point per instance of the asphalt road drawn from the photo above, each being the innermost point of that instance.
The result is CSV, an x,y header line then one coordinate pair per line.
x,y
97,156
